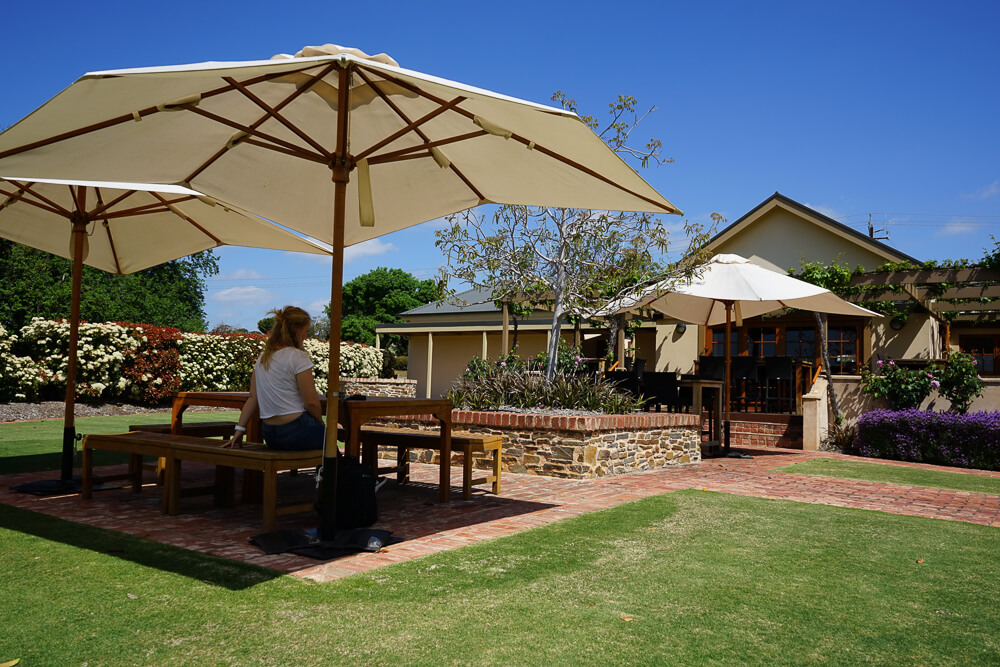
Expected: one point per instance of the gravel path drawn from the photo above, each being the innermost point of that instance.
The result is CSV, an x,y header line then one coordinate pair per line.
x,y
15,412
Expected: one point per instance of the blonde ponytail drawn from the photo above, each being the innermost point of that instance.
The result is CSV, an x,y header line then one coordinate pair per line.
x,y
287,321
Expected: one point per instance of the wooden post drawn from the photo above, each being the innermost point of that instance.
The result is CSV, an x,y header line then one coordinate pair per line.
x,y
504,337
430,365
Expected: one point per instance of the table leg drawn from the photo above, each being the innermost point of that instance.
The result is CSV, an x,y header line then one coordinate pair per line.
x,y
444,494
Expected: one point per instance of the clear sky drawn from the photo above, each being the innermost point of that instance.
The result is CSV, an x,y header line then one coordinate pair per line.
x,y
852,108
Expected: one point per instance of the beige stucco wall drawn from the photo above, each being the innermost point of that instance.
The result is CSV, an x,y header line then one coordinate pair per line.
x,y
853,402
920,338
784,239
677,351
451,352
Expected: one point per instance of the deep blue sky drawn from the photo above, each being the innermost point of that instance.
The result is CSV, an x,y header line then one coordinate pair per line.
x,y
853,108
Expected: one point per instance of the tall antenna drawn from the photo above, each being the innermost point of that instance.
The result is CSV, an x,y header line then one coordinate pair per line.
x,y
872,231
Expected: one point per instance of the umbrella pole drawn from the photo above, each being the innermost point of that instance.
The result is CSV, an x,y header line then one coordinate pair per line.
x,y
69,419
341,175
728,376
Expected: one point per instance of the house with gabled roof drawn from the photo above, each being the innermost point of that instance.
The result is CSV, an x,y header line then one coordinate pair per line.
x,y
779,234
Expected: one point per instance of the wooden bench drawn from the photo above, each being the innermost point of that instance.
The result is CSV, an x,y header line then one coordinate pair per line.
x,y
197,429
406,439
177,448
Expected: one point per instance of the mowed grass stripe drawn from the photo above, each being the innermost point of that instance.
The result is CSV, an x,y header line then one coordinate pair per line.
x,y
684,578
894,474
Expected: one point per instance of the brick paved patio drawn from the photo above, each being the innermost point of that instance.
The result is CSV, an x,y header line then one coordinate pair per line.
x,y
427,527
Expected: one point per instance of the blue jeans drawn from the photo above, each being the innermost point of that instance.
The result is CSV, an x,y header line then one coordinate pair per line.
x,y
302,433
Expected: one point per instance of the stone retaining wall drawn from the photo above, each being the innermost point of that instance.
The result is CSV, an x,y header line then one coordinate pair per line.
x,y
576,447
391,387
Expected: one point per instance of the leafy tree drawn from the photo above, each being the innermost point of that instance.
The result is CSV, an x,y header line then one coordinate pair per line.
x,y
575,260
264,325
34,283
378,297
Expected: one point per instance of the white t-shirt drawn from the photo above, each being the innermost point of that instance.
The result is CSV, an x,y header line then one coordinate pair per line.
x,y
277,389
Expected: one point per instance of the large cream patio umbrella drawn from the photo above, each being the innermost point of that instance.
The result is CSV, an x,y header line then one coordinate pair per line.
x,y
122,228
731,287
331,142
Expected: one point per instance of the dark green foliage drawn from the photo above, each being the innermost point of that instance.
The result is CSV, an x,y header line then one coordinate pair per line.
x,y
902,388
264,325
401,362
38,284
497,386
378,297
960,381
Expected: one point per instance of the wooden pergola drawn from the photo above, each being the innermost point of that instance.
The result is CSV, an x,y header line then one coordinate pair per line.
x,y
951,296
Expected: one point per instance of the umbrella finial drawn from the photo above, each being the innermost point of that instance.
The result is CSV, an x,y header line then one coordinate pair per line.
x,y
336,50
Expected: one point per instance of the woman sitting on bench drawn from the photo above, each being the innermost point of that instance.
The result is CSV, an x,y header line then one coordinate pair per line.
x,y
282,386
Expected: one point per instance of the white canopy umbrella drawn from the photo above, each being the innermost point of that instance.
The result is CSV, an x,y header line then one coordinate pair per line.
x,y
334,143
122,228
731,286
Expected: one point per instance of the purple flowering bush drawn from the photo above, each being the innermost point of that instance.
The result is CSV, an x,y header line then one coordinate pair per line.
x,y
939,438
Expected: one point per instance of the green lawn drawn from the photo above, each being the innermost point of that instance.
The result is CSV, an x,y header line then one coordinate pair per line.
x,y
36,445
687,578
893,474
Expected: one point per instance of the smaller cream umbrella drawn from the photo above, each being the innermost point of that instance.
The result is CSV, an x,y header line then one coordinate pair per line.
x,y
122,228
729,286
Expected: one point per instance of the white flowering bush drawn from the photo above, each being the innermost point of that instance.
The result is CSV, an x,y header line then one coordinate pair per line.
x,y
146,364
19,376
356,360
214,362
102,351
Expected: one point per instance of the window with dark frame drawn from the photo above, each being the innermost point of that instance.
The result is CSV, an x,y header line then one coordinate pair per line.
x,y
983,349
800,343
843,346
762,342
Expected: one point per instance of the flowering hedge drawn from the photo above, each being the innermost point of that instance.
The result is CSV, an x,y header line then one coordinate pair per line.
x,y
19,376
145,364
940,438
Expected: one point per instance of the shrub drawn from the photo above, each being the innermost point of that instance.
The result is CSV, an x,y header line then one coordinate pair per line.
x,y
102,350
960,381
19,376
218,362
568,359
940,438
902,388
153,372
401,363
498,388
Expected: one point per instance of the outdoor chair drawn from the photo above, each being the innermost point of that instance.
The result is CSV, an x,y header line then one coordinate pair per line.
x,y
712,368
744,389
662,391
624,380
778,384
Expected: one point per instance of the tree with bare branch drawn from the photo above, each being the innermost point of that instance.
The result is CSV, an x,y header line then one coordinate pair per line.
x,y
574,261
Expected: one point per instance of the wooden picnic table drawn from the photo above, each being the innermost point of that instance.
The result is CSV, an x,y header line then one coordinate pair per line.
x,y
356,413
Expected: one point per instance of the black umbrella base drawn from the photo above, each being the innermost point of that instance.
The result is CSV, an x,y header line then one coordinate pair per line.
x,y
60,487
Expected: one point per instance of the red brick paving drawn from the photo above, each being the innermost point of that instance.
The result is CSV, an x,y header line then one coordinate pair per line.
x,y
526,501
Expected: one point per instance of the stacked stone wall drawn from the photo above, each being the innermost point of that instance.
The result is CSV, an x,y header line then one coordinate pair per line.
x,y
574,447
387,387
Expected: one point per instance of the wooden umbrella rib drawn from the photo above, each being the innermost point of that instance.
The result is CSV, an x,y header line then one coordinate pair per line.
x,y
389,157
295,94
427,142
294,153
188,219
545,151
142,113
45,206
107,226
254,132
281,119
114,250
102,207
408,128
